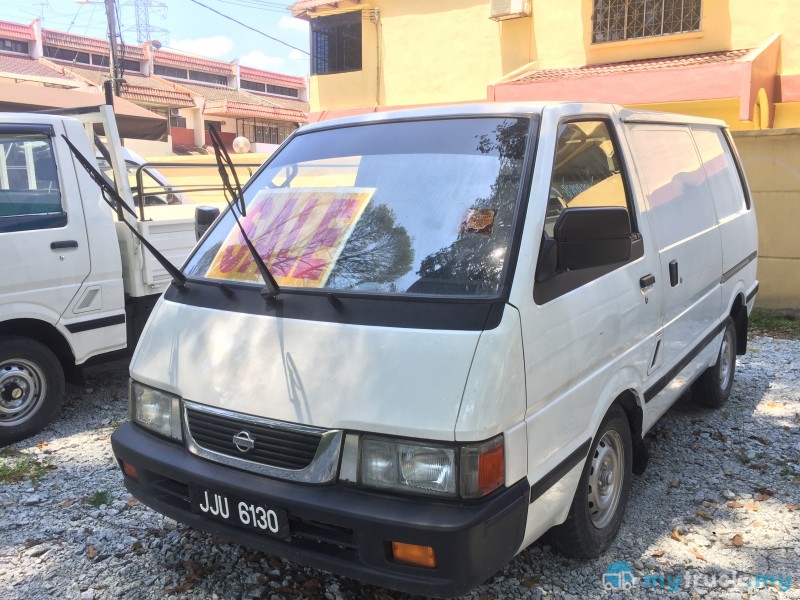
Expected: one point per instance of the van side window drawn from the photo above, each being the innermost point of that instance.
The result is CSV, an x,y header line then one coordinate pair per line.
x,y
586,171
28,177
678,195
726,186
588,187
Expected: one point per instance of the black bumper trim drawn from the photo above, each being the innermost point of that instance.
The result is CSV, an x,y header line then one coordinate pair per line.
x,y
555,475
339,528
752,294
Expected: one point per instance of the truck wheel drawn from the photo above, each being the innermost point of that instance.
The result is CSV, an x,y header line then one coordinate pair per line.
x,y
714,385
599,503
31,388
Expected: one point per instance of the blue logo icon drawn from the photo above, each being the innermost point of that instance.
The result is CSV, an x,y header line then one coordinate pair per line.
x,y
618,576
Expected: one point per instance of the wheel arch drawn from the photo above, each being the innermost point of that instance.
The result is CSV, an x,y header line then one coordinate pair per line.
x,y
629,401
44,333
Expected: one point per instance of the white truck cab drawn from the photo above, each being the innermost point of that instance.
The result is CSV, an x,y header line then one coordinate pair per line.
x,y
75,283
479,313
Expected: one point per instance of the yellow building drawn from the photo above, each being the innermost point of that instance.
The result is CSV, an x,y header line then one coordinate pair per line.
x,y
736,60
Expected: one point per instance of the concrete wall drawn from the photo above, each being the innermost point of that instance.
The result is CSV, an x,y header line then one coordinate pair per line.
x,y
772,162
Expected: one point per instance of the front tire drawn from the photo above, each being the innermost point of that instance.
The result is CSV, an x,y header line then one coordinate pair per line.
x,y
31,388
599,503
714,385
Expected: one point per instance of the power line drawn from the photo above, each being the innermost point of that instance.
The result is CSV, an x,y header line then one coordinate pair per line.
x,y
250,28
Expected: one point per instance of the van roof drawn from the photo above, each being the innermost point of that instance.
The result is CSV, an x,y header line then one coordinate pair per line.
x,y
521,109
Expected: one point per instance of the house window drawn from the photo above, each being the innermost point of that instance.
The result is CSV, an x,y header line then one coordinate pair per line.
x,y
217,124
616,20
263,131
208,77
100,60
67,55
268,88
173,114
170,72
255,86
336,44
13,46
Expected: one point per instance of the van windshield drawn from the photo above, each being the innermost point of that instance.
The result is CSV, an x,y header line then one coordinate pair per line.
x,y
412,207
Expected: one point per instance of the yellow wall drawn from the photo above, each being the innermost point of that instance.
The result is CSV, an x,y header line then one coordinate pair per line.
x,y
772,163
449,50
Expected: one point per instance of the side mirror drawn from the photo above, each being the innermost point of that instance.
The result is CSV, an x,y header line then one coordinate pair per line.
x,y
592,237
204,216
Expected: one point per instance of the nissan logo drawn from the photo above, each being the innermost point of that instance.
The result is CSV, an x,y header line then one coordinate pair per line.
x,y
244,441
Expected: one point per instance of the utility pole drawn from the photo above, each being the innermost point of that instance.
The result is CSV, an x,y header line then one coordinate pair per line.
x,y
113,63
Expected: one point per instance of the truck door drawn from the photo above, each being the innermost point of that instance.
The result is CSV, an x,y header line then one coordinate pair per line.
x,y
43,241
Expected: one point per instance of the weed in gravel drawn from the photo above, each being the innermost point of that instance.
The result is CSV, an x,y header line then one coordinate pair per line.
x,y
99,498
778,324
16,466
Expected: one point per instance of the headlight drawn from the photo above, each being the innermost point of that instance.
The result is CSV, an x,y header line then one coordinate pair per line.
x,y
156,410
470,470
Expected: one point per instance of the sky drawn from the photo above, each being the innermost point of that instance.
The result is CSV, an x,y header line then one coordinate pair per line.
x,y
187,26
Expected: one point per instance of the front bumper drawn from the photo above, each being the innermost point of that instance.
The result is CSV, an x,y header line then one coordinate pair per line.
x,y
339,528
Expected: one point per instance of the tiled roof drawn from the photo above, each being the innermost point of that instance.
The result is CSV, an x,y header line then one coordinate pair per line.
x,y
23,65
87,44
186,61
649,64
138,88
227,101
303,6
269,77
213,93
16,31
238,109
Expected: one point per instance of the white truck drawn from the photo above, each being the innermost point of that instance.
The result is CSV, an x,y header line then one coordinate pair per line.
x,y
76,284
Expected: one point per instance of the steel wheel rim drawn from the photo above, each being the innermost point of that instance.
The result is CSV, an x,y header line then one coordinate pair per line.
x,y
22,390
606,477
726,360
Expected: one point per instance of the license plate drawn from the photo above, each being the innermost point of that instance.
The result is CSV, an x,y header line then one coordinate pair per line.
x,y
246,514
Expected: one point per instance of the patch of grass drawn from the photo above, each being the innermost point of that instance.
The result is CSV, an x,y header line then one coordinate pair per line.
x,y
16,466
775,323
99,498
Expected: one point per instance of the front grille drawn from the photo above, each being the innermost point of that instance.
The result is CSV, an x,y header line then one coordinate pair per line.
x,y
275,446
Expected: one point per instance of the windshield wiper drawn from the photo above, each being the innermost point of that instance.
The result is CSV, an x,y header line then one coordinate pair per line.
x,y
234,195
115,201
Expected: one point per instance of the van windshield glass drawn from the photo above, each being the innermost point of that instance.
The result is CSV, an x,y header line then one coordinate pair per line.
x,y
416,207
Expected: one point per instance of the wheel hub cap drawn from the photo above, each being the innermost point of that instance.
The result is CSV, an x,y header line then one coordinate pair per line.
x,y
605,479
22,388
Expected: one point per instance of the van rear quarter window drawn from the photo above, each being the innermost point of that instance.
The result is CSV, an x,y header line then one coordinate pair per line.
x,y
417,207
678,194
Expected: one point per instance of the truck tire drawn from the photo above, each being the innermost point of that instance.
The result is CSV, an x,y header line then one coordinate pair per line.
x,y
714,386
599,503
31,387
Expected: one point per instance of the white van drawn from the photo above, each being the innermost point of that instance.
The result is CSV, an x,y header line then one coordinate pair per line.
x,y
479,313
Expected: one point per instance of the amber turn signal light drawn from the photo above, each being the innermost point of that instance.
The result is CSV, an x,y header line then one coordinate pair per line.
x,y
422,556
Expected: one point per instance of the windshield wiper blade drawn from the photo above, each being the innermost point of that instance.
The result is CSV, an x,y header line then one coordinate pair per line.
x,y
235,199
115,201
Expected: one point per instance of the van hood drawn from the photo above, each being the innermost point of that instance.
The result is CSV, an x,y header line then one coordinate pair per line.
x,y
381,379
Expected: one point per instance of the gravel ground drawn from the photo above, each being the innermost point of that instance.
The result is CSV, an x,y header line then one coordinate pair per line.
x,y
718,506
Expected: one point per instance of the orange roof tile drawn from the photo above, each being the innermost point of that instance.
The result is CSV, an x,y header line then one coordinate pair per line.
x,y
16,31
648,64
24,65
239,109
252,74
87,44
137,87
302,7
175,59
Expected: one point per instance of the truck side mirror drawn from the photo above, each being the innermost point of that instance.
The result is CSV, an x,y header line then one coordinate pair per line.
x,y
204,216
592,237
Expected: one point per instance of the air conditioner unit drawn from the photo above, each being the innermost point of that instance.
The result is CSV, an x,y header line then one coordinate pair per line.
x,y
501,10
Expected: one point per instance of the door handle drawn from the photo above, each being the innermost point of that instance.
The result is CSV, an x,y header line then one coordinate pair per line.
x,y
673,273
63,244
647,281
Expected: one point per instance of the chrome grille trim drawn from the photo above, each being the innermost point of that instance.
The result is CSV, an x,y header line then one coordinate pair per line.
x,y
323,467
